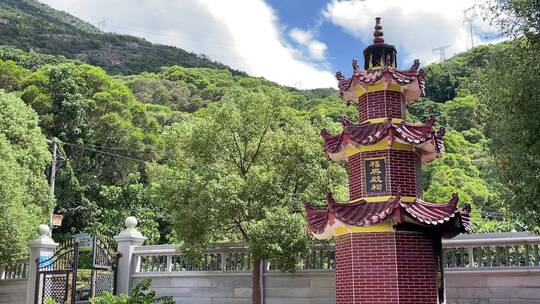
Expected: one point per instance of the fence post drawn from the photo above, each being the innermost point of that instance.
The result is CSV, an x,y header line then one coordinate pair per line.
x,y
126,241
41,248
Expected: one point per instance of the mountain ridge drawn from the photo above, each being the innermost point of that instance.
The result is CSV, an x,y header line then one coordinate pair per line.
x,y
33,26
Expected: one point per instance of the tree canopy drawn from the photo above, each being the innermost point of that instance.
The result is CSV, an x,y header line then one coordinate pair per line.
x,y
185,139
24,198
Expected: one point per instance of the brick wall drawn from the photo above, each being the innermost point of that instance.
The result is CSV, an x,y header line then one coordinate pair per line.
x,y
403,170
385,267
381,104
416,266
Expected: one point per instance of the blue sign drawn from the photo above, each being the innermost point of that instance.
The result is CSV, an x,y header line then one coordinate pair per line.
x,y
45,262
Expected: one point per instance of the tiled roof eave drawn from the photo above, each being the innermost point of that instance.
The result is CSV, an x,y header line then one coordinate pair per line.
x,y
368,214
422,136
411,81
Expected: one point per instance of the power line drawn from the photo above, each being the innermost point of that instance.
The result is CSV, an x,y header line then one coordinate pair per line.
x,y
113,148
116,155
103,152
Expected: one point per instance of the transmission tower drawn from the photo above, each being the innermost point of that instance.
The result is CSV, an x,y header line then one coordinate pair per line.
x,y
441,52
101,25
468,18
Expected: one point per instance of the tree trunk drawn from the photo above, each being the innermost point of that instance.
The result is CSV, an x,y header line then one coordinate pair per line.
x,y
256,281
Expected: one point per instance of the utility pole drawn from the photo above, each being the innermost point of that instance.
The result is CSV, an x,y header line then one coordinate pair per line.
x,y
52,178
468,18
441,52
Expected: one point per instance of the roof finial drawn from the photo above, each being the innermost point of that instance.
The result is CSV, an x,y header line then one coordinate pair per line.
x,y
378,34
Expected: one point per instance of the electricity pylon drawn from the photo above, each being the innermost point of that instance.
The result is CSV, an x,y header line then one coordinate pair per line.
x,y
468,18
441,52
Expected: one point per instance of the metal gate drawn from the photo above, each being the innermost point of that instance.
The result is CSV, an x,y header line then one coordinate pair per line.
x,y
104,262
56,276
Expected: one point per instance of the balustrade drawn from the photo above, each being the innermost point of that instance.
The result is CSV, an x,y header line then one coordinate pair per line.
x,y
480,252
15,271
476,252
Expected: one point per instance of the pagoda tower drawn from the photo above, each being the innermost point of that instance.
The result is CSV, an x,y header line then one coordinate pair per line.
x,y
388,239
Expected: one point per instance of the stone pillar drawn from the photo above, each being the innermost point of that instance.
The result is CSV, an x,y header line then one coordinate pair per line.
x,y
126,241
41,248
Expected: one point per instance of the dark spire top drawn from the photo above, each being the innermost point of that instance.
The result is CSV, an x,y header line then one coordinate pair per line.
x,y
378,34
379,54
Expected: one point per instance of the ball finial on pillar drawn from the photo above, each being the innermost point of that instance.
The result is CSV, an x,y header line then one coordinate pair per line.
x,y
44,230
131,222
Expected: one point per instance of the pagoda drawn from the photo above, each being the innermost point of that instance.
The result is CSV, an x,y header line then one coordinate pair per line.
x,y
388,239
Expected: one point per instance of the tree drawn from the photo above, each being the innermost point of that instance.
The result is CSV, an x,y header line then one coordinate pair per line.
x,y
130,199
24,199
515,18
460,113
239,171
508,94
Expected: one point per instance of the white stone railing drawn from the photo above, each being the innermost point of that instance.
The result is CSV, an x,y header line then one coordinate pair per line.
x,y
15,271
166,258
232,257
493,252
475,252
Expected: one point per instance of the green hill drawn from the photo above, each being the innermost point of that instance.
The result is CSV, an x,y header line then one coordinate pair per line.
x,y
33,26
113,128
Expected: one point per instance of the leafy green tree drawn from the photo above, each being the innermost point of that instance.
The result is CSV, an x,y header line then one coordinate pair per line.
x,y
24,199
508,93
11,75
444,80
148,88
515,18
460,113
421,110
96,118
68,103
130,199
240,171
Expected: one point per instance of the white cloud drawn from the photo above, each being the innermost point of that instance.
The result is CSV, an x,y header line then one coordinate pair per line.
x,y
414,26
244,34
315,48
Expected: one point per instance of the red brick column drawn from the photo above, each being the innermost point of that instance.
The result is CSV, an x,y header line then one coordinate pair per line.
x,y
385,267
381,104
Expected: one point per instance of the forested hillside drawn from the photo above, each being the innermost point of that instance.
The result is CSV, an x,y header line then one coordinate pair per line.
x,y
33,26
110,129
123,138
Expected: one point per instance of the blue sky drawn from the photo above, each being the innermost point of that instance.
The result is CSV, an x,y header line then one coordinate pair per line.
x,y
299,43
341,46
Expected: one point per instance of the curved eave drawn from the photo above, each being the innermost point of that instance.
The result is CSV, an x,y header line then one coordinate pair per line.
x,y
411,82
447,218
427,151
426,142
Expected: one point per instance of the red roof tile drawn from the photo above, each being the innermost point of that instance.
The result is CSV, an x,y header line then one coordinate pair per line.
x,y
447,216
412,77
370,133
